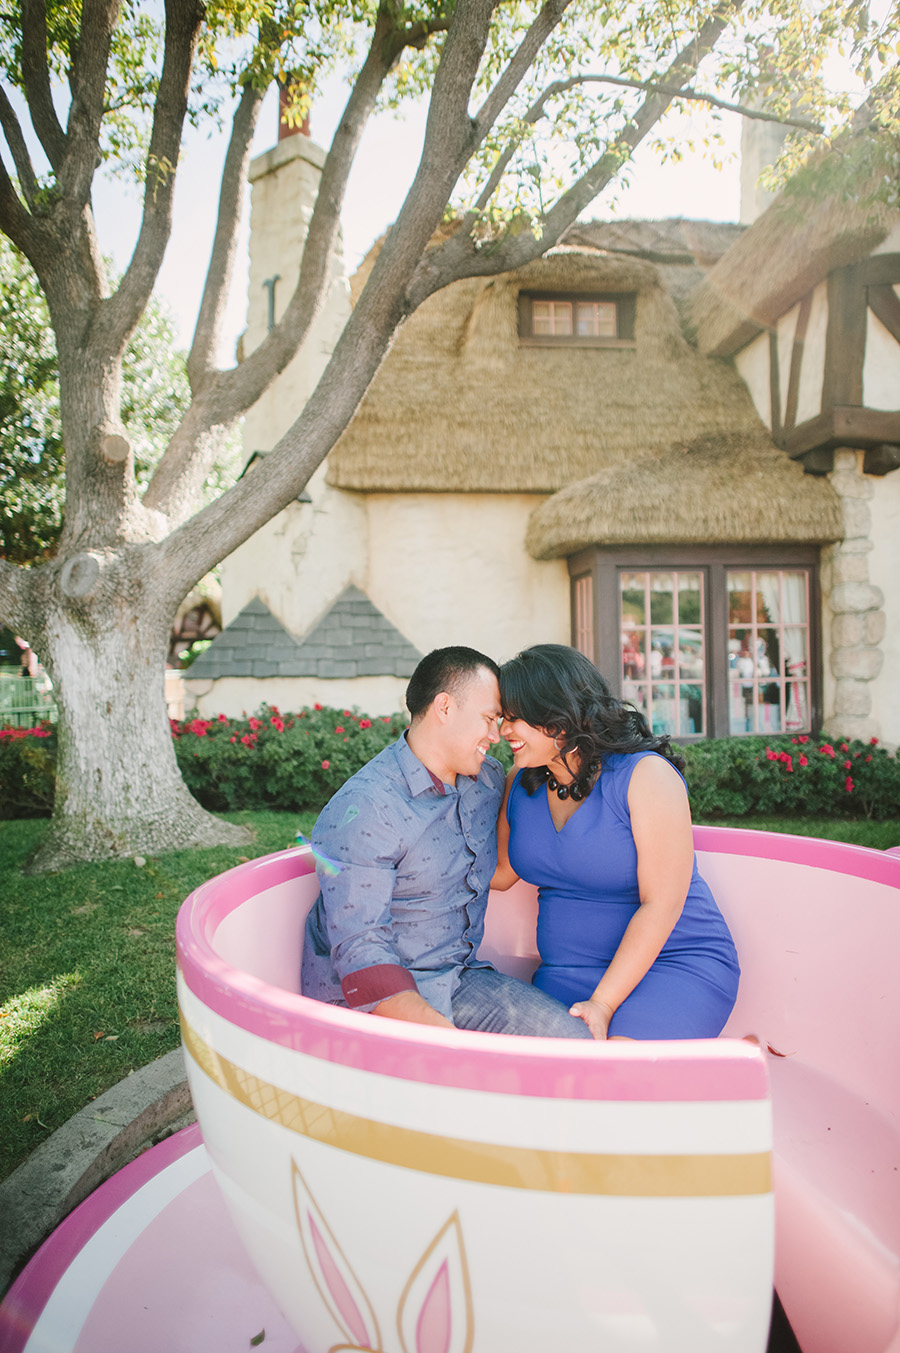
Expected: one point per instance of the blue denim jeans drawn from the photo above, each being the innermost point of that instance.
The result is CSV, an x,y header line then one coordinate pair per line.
x,y
496,1004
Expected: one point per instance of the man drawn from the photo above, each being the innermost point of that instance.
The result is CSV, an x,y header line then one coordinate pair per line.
x,y
405,852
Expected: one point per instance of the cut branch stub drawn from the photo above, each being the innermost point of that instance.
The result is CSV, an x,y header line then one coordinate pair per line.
x,y
114,448
79,576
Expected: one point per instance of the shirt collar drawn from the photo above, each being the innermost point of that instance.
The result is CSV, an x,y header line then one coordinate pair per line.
x,y
417,774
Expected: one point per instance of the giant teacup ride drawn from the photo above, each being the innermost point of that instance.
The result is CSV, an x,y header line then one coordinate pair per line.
x,y
413,1190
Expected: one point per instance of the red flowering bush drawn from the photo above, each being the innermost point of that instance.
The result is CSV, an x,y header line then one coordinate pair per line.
x,y
275,760
792,776
27,771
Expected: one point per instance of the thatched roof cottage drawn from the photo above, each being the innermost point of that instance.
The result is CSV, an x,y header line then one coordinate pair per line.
x,y
543,456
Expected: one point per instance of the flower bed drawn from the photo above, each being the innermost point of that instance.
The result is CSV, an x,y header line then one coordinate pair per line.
x,y
297,761
792,776
275,760
27,769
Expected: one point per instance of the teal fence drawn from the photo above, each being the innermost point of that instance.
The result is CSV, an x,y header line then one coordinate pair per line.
x,y
25,701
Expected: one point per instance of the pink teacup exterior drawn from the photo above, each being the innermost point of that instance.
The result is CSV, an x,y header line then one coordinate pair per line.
x,y
414,1190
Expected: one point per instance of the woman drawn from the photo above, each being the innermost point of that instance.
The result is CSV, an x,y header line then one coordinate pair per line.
x,y
596,814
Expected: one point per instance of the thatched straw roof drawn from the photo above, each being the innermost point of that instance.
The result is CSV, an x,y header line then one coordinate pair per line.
x,y
674,239
685,250
460,406
786,252
730,490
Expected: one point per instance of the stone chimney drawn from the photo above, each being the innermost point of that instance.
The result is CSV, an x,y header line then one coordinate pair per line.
x,y
286,129
761,144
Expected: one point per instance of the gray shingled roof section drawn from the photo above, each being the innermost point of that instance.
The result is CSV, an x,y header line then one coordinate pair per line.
x,y
255,644
355,639
352,639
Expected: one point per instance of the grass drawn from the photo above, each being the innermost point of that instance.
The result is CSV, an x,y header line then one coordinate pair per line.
x,y
876,835
87,973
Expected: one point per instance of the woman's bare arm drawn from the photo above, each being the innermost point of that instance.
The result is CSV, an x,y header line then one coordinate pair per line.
x,y
504,875
661,826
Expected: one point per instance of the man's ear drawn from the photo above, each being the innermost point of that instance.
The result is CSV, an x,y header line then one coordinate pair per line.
x,y
442,705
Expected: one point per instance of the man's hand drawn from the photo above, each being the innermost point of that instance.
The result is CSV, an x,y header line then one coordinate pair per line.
x,y
409,1005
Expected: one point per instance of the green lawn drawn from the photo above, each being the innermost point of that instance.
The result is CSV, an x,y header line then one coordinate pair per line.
x,y
876,835
87,976
87,973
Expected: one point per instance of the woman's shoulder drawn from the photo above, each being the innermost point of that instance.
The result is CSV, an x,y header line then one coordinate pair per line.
x,y
617,763
619,768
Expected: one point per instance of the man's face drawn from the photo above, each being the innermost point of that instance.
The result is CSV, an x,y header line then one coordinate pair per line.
x,y
470,726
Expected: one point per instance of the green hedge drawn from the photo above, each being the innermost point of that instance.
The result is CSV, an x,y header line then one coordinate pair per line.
x,y
274,760
27,768
792,776
297,761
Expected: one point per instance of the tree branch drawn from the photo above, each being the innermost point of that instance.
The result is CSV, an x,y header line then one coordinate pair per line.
x,y
196,546
226,395
459,256
120,314
88,85
221,263
36,79
15,221
16,590
518,67
657,87
221,526
18,149
538,107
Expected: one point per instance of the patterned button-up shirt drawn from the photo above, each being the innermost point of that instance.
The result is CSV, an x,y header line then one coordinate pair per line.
x,y
404,865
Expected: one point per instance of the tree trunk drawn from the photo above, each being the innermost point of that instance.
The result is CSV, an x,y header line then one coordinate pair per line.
x,y
118,788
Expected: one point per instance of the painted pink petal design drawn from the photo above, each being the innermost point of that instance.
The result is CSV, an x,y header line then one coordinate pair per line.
x,y
435,1313
338,1288
434,1325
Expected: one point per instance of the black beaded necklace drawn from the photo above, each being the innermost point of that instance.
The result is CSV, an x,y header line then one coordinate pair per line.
x,y
579,787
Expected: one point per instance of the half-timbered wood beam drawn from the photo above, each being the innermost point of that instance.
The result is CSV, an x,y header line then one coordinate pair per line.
x,y
885,304
845,340
880,270
793,390
774,386
844,425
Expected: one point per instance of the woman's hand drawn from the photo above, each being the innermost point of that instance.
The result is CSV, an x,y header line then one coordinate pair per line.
x,y
596,1015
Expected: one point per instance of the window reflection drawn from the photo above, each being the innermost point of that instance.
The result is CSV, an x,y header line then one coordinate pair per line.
x,y
662,648
768,639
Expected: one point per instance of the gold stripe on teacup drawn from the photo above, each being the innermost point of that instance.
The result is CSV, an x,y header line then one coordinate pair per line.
x,y
516,1167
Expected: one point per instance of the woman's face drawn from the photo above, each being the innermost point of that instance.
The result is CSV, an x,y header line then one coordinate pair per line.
x,y
530,746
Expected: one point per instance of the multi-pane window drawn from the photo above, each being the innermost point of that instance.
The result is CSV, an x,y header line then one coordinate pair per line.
x,y
708,641
663,665
768,651
587,319
592,321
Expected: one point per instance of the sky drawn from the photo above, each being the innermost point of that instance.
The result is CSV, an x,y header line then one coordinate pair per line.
x,y
384,167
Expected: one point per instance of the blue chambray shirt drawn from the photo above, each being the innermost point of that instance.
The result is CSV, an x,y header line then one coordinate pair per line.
x,y
404,869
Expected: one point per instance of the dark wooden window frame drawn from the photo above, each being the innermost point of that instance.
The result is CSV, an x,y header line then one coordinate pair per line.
x,y
624,301
604,564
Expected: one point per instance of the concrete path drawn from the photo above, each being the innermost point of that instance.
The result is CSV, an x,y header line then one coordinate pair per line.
x,y
97,1141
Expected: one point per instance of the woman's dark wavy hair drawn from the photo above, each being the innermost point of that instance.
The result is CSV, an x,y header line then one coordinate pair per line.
x,y
559,690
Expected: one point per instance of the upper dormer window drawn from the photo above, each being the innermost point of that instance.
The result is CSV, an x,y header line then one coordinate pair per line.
x,y
590,320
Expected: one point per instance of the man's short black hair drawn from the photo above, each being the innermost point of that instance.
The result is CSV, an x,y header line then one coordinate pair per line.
x,y
444,669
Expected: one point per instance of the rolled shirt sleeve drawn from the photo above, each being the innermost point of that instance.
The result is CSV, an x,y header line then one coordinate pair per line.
x,y
357,851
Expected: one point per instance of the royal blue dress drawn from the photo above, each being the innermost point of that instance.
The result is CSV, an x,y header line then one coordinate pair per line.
x,y
586,876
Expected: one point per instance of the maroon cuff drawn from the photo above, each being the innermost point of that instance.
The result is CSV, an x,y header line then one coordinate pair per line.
x,y
369,985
